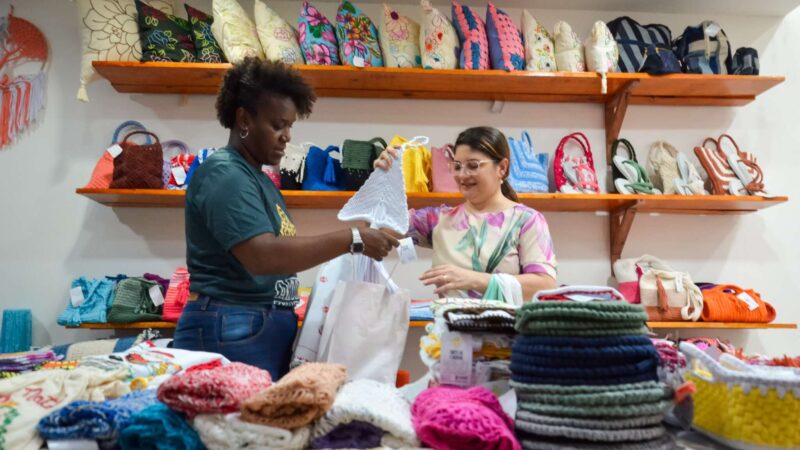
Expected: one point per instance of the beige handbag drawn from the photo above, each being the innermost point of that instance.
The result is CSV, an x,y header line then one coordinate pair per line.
x,y
669,296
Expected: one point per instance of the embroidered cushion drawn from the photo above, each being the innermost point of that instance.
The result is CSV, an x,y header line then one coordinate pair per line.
x,y
358,37
206,47
399,37
539,45
110,32
472,36
234,31
164,37
317,37
602,53
439,41
505,41
278,38
569,50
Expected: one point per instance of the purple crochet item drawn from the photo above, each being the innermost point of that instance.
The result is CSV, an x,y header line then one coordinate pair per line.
x,y
450,418
355,434
163,283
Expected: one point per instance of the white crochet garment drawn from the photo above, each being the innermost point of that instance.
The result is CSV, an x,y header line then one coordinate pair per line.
x,y
229,432
382,201
376,403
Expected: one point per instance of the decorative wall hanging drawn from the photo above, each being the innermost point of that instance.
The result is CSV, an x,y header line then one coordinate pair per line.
x,y
22,95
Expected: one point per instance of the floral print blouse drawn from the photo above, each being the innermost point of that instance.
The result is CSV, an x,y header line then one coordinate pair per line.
x,y
514,241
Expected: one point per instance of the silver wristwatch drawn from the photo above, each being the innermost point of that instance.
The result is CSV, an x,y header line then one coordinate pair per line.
x,y
358,245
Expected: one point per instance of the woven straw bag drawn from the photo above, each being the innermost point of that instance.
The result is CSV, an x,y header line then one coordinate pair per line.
x,y
744,406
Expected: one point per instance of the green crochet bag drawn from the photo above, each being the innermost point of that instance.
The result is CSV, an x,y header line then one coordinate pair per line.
x,y
357,160
132,302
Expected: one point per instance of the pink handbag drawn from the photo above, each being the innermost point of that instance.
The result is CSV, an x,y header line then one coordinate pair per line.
x,y
575,174
443,180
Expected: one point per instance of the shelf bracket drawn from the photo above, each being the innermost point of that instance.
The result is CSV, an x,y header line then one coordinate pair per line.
x,y
615,114
620,220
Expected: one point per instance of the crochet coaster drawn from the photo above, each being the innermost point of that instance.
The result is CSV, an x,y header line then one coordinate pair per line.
x,y
591,313
582,342
524,389
596,411
571,324
629,434
648,393
588,330
229,432
523,366
533,442
583,381
572,352
377,404
591,424
302,396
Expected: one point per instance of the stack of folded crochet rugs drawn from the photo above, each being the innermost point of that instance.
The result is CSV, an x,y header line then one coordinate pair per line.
x,y
585,373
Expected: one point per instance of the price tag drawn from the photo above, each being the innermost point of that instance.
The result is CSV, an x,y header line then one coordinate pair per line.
x,y
73,444
179,174
456,359
156,296
712,29
358,61
76,297
678,282
114,150
406,251
751,303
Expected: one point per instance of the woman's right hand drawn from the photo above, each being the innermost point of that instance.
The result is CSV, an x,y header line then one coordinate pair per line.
x,y
377,243
386,158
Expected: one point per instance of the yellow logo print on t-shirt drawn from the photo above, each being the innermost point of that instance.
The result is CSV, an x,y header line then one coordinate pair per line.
x,y
287,227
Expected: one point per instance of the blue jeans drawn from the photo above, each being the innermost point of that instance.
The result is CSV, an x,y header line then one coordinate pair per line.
x,y
259,335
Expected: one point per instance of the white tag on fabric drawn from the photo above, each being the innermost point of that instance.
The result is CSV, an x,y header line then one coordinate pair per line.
x,y
406,251
508,402
114,150
179,174
456,359
712,29
482,373
73,444
359,61
751,303
678,282
76,297
583,298
156,296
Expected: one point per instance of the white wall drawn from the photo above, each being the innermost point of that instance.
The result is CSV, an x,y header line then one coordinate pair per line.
x,y
51,235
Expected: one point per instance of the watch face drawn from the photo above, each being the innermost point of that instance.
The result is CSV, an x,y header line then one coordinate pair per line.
x,y
358,247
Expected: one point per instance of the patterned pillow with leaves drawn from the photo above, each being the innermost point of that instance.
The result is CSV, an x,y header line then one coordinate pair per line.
x,y
317,37
234,31
358,37
206,47
399,38
164,37
110,32
539,45
277,37
438,39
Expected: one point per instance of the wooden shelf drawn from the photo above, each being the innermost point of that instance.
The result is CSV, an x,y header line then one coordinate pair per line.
x,y
668,204
495,85
422,323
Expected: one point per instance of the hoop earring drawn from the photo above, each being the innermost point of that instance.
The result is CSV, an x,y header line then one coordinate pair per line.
x,y
245,134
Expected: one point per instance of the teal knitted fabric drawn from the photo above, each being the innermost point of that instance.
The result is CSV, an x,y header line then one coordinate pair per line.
x,y
564,318
159,428
624,435
649,392
599,311
592,424
642,409
553,389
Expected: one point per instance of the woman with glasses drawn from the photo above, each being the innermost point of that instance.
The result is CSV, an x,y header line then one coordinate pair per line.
x,y
490,233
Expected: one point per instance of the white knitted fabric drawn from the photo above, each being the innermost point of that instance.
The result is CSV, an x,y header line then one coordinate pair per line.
x,y
228,432
376,403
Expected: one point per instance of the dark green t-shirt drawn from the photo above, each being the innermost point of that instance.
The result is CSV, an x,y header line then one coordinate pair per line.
x,y
228,202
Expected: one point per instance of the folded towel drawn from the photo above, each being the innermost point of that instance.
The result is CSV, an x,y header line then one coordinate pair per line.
x,y
101,421
217,390
302,396
158,427
449,418
230,432
374,403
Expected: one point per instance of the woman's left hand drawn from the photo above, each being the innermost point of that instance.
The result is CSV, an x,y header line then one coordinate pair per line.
x,y
451,278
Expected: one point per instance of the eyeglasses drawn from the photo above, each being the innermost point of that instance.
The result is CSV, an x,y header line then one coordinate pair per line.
x,y
470,167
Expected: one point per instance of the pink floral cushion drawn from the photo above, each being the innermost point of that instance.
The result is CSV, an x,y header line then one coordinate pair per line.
x,y
317,37
358,37
472,35
506,51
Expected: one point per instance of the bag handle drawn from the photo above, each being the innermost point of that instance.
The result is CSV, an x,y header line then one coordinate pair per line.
x,y
728,136
145,132
526,137
716,143
174,144
626,143
581,139
129,124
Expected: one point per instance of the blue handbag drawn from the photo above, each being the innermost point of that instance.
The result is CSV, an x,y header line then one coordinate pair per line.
x,y
528,170
704,49
97,298
202,155
324,170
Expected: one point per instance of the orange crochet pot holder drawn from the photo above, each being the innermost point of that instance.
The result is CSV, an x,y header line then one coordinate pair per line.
x,y
729,303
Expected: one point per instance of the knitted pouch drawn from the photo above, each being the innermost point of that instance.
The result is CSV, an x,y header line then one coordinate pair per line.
x,y
139,166
177,295
104,169
132,302
96,296
357,159
323,170
729,303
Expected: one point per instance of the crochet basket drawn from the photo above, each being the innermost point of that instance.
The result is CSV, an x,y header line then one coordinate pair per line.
x,y
744,406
